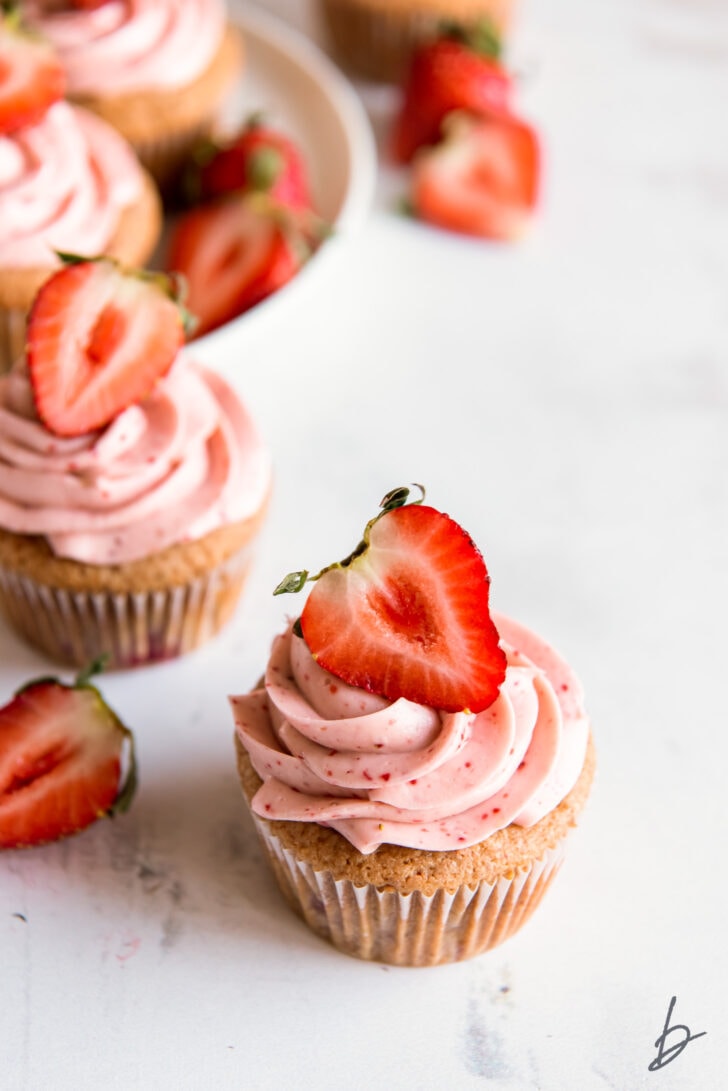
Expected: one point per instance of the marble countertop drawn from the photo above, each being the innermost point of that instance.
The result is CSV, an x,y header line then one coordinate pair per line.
x,y
566,399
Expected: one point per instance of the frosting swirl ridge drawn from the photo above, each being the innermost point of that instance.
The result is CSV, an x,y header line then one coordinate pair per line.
x,y
131,45
172,468
63,185
399,773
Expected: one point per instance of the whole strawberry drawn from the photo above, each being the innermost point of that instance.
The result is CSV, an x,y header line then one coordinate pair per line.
x,y
406,614
260,159
460,70
62,753
31,76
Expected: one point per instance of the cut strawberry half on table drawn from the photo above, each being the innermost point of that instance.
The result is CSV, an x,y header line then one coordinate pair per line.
x,y
459,71
481,180
62,758
99,337
259,159
406,614
236,252
31,76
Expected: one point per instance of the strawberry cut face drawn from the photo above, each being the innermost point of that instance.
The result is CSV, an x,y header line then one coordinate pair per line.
x,y
237,251
98,339
61,757
407,615
482,179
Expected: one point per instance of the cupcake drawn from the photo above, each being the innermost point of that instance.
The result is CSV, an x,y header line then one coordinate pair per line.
x,y
375,38
67,183
133,481
414,767
157,70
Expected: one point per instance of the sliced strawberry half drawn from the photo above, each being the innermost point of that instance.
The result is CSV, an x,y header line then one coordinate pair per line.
x,y
62,758
236,252
259,159
31,76
99,337
458,71
481,180
406,615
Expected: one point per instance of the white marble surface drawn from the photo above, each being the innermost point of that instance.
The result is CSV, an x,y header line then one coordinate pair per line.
x,y
565,399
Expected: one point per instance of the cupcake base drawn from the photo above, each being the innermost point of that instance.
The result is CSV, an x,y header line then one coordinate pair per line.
x,y
408,907
142,612
374,39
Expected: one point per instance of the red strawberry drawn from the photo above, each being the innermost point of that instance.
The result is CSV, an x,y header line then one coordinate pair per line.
x,y
61,753
234,253
460,71
258,160
31,76
99,337
406,614
481,180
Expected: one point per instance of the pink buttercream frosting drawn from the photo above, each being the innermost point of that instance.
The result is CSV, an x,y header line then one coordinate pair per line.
x,y
404,774
63,185
126,46
172,468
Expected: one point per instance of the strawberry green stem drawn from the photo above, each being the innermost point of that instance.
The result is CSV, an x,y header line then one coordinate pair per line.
x,y
395,498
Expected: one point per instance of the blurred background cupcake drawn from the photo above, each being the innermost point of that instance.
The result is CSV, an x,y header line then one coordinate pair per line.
x,y
374,38
68,183
157,70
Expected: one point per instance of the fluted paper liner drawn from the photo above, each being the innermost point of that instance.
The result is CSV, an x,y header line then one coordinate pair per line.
x,y
414,929
129,627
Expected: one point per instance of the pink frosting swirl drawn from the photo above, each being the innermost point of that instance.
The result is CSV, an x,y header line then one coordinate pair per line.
x,y
404,774
63,185
170,469
126,46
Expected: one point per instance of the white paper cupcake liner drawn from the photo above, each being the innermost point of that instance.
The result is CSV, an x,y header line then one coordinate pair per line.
x,y
409,929
129,628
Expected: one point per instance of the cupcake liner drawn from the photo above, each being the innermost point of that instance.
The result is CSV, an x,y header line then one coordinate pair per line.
x,y
128,627
375,40
413,929
12,336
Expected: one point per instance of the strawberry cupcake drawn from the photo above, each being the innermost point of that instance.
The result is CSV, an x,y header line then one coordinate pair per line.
x,y
413,766
375,38
157,70
133,482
